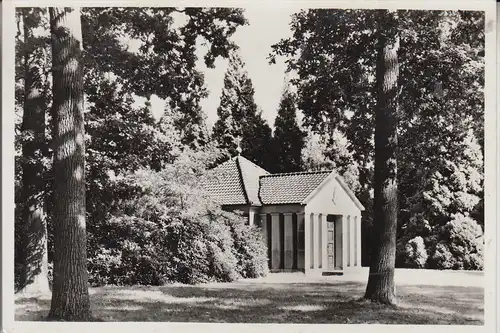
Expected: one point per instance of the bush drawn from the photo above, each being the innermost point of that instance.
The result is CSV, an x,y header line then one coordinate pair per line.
x,y
167,230
172,249
199,250
251,251
104,267
461,245
415,253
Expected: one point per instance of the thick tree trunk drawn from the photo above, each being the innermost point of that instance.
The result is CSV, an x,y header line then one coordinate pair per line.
x,y
381,287
34,276
70,295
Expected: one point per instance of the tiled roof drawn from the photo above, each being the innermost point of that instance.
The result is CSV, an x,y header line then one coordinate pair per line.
x,y
250,173
235,182
288,188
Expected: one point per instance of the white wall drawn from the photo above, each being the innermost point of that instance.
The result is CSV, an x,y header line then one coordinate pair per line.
x,y
322,201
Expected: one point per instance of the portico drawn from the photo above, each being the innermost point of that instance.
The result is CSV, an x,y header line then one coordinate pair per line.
x,y
316,244
310,221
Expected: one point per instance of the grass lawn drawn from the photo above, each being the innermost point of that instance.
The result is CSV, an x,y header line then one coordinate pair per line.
x,y
333,300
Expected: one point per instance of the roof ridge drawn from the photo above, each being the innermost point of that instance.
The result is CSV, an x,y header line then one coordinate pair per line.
x,y
242,181
246,159
296,173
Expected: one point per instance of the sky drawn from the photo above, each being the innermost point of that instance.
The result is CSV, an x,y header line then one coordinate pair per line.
x,y
266,27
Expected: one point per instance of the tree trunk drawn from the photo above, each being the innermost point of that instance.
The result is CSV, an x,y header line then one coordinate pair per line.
x,y
34,276
381,287
70,295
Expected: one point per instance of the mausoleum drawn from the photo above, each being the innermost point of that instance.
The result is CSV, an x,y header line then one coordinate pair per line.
x,y
310,221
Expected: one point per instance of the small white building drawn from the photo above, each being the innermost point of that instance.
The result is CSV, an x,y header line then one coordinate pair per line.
x,y
310,221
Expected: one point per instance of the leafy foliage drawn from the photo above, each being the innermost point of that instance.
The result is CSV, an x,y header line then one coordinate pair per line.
x,y
441,105
331,152
251,252
122,138
446,187
461,245
168,230
415,253
164,64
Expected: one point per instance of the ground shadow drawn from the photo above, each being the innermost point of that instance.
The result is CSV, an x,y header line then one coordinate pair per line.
x,y
275,303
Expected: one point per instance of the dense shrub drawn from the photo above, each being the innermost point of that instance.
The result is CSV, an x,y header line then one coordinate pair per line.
x,y
415,253
168,230
104,267
461,245
168,248
433,189
251,251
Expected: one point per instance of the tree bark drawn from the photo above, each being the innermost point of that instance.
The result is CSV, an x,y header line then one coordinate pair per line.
x,y
34,276
381,287
70,295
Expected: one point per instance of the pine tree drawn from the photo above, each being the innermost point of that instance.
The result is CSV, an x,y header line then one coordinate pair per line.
x,y
240,119
288,139
257,141
228,128
190,121
331,152
70,294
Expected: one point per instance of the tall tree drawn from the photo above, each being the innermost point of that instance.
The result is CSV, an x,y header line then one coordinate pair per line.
x,y
70,295
165,62
164,65
441,77
190,121
121,137
34,275
381,286
257,141
288,138
239,117
331,152
441,165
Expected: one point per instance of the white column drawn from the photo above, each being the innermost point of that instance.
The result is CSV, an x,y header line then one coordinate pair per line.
x,y
358,244
275,244
288,236
352,243
307,242
324,241
344,242
251,216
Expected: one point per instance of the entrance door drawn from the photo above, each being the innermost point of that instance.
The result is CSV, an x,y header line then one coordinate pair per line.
x,y
330,243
